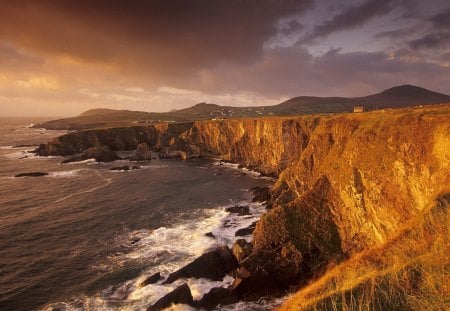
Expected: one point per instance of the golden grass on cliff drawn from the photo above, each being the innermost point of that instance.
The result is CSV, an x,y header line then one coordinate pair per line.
x,y
409,272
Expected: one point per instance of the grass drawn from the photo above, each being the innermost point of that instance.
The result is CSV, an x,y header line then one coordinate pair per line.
x,y
409,272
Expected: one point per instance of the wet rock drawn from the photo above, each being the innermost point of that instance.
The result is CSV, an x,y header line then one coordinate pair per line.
x,y
213,265
181,294
241,249
31,174
241,210
246,231
255,277
143,153
41,150
261,194
100,154
177,154
135,240
210,234
151,279
216,296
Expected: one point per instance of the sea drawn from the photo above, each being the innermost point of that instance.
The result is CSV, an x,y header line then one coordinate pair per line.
x,y
84,237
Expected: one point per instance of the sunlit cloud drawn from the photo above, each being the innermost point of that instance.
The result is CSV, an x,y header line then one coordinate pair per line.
x,y
43,83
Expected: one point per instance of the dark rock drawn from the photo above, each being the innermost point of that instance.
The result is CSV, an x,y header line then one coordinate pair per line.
x,y
210,234
256,277
151,279
120,168
240,210
135,167
100,154
143,153
31,174
246,231
176,154
241,249
216,296
261,194
213,265
181,294
41,150
135,240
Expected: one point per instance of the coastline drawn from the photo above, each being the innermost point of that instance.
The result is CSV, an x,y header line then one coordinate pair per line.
x,y
320,197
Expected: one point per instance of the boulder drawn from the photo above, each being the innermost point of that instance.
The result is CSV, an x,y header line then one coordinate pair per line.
x,y
241,249
256,277
31,174
143,153
261,194
210,235
246,231
241,210
151,279
213,265
100,154
181,294
216,296
176,154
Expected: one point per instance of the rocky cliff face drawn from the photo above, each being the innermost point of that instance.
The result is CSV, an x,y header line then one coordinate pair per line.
x,y
346,183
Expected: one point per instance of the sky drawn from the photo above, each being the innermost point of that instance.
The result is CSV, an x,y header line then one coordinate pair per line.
x,y
62,57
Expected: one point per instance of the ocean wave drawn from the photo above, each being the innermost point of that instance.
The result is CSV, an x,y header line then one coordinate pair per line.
x,y
168,249
106,182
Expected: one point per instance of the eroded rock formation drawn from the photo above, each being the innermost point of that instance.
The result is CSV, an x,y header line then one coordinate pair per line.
x,y
345,183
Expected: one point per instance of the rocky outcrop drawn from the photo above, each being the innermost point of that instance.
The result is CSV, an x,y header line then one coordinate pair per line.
x,y
181,294
345,183
151,279
240,210
143,153
100,153
216,296
213,265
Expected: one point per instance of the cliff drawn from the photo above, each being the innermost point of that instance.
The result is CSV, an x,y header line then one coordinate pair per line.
x,y
348,187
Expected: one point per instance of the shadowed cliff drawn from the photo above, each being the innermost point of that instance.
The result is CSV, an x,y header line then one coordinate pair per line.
x,y
348,187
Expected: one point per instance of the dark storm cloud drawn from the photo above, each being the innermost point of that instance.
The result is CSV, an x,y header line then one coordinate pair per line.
x,y
349,17
162,36
293,71
431,41
395,34
442,20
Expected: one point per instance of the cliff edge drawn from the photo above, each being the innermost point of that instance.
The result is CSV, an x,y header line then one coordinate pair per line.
x,y
355,193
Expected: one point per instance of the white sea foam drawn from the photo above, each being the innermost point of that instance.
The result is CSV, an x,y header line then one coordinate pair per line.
x,y
168,249
245,170
87,161
71,173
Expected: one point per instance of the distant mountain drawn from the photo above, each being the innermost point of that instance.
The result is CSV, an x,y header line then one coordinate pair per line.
x,y
201,108
395,97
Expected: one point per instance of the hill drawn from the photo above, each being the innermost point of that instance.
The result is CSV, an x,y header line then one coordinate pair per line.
x,y
396,97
